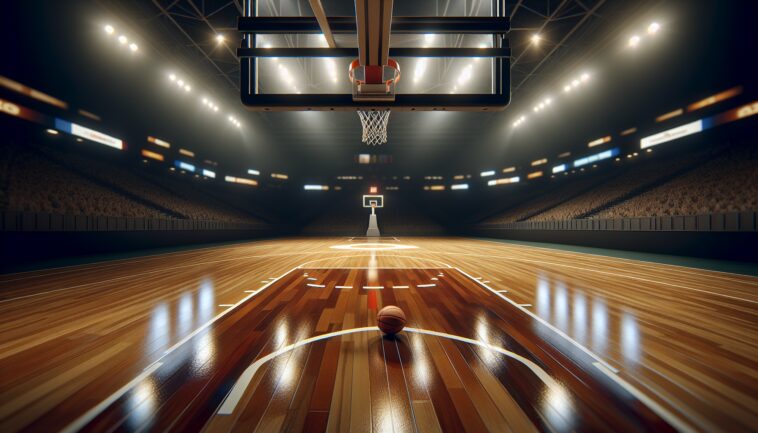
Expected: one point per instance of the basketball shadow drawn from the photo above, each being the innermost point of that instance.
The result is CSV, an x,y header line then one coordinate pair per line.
x,y
393,349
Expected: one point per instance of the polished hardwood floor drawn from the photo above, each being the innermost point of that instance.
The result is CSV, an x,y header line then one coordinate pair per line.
x,y
501,337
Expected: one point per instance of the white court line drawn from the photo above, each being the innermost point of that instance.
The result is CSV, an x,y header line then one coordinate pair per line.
x,y
620,275
315,285
88,416
264,281
95,411
373,287
524,305
501,291
603,366
312,279
435,279
343,287
486,281
661,411
646,263
400,287
250,291
238,390
426,285
542,321
225,305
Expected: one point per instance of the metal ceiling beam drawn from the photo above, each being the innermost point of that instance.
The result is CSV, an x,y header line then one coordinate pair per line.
x,y
167,14
318,11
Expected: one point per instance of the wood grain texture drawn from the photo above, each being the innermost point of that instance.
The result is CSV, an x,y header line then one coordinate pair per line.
x,y
70,337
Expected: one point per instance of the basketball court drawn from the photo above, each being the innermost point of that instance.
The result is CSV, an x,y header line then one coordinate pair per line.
x,y
256,337
292,333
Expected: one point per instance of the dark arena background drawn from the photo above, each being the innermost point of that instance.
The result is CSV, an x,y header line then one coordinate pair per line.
x,y
378,216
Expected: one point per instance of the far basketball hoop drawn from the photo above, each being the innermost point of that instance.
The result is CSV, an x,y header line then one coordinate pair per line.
x,y
374,202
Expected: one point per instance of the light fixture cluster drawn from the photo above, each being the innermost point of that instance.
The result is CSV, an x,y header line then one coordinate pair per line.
x,y
179,82
235,122
576,82
122,39
210,104
542,104
652,29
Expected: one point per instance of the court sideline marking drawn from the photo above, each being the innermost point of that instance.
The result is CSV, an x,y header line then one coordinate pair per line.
x,y
91,414
518,259
603,366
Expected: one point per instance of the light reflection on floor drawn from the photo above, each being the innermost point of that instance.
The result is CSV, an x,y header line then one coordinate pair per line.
x,y
566,308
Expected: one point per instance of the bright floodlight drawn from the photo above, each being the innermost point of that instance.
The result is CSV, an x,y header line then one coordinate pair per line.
x,y
52,131
536,38
585,76
575,83
548,101
133,47
566,88
172,77
205,101
187,88
122,39
109,29
219,38
653,28
634,41
215,108
180,83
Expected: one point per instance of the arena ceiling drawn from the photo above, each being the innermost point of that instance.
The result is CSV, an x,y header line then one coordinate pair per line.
x,y
574,34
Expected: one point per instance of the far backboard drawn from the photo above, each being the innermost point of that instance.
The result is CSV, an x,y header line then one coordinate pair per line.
x,y
373,201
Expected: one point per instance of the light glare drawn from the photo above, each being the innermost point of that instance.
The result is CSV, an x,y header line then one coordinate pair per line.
x,y
122,39
109,29
653,28
634,41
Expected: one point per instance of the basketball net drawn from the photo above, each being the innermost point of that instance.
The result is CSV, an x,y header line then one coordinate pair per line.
x,y
374,126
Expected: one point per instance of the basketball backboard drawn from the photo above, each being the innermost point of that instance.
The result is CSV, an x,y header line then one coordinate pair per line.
x,y
375,201
447,63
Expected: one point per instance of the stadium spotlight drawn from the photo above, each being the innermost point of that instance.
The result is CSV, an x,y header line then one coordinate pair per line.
x,y
133,47
653,28
109,29
172,77
634,41
187,88
215,108
220,38
536,38
122,40
548,101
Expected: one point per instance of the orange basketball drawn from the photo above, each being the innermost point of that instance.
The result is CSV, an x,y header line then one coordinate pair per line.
x,y
390,319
